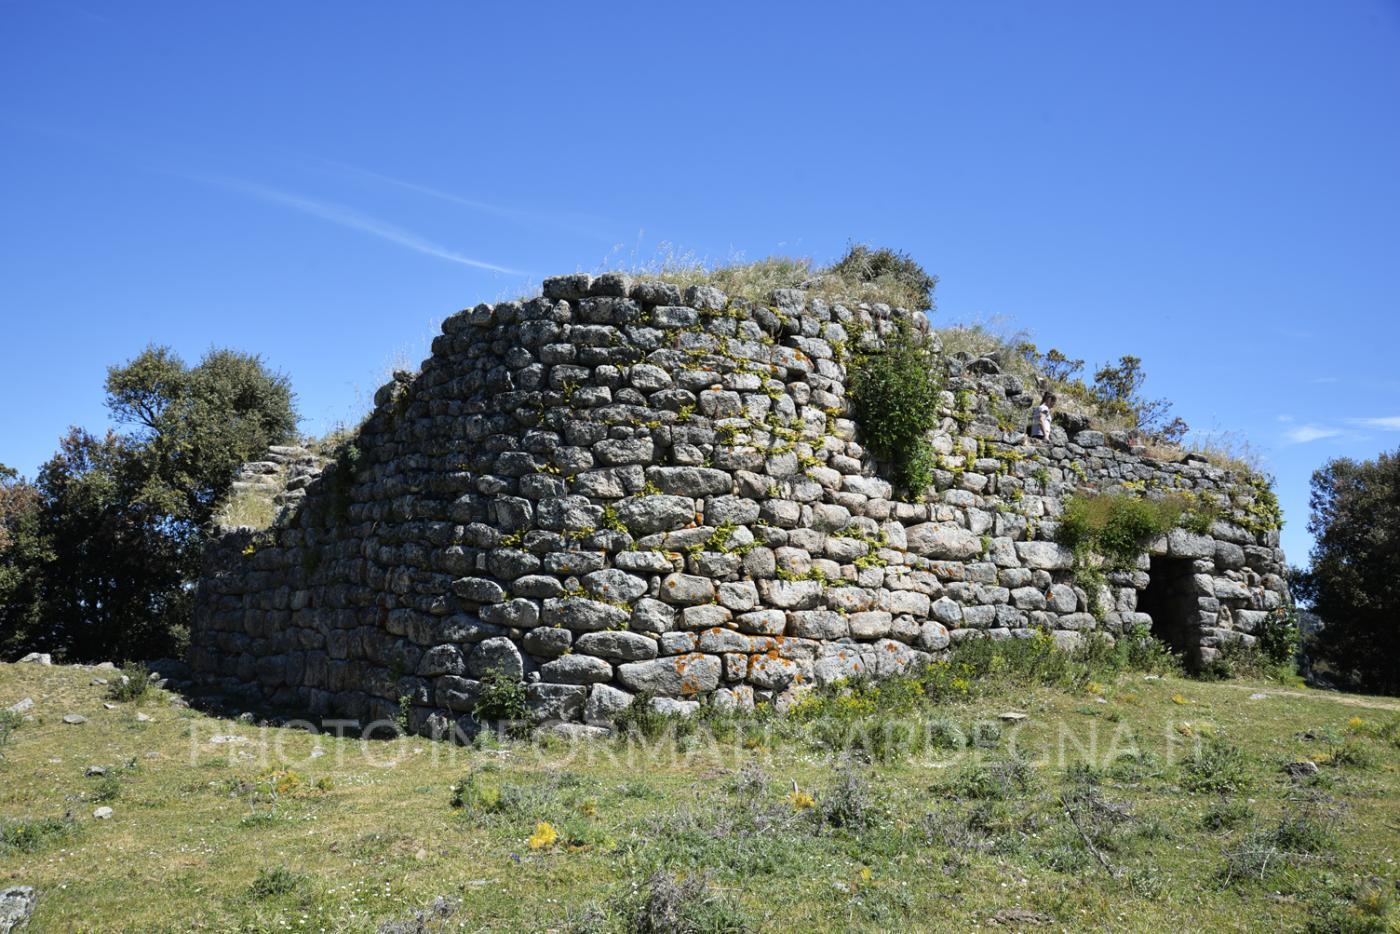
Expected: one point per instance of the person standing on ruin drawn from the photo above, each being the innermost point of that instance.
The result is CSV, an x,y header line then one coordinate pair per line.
x,y
1040,417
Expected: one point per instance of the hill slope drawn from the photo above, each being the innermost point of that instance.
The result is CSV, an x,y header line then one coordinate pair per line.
x,y
218,825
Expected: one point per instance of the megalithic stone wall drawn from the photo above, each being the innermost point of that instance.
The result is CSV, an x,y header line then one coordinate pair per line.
x,y
616,488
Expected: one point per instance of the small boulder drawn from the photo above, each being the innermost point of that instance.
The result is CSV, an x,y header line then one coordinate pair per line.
x,y
1300,770
74,719
16,907
102,813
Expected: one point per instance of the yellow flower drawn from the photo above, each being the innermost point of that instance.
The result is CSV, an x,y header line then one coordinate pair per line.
x,y
1178,699
544,836
1355,723
1093,687
801,800
589,808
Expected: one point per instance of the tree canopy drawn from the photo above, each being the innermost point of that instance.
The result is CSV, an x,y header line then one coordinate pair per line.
x,y
1354,582
98,555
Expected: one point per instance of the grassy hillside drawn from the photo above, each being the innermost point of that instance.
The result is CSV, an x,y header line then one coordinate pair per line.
x,y
1136,802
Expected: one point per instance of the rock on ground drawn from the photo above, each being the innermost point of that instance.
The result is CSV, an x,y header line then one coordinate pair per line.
x,y
16,906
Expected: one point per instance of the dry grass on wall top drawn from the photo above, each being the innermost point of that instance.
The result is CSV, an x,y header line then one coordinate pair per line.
x,y
863,274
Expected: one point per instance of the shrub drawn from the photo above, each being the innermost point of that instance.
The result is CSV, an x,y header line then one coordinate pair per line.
x,y
1217,767
641,719
476,793
849,802
1116,526
133,685
1226,815
107,788
10,722
1278,636
682,905
1118,390
895,391
995,781
502,699
31,836
1293,840
275,881
1353,753
891,273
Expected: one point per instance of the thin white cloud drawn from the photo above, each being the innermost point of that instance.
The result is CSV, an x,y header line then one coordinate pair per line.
x,y
354,220
1387,423
1305,433
583,224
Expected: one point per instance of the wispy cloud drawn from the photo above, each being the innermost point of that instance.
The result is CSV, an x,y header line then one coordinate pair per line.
x,y
571,222
1387,423
1305,433
346,217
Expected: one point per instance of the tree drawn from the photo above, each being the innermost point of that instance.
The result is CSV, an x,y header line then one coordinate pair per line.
x,y
118,521
197,425
1354,582
114,584
23,553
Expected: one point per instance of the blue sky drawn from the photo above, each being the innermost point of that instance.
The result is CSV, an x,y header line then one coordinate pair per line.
x,y
1212,187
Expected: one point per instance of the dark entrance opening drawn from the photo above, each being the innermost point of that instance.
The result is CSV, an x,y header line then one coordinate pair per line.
x,y
1170,599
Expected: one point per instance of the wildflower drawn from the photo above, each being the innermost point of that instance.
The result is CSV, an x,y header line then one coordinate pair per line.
x,y
1355,723
544,836
1179,700
801,800
1093,687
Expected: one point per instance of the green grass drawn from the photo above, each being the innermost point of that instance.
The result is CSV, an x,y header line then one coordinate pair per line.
x,y
1096,812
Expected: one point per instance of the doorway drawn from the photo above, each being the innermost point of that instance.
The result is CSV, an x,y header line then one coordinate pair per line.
x,y
1170,599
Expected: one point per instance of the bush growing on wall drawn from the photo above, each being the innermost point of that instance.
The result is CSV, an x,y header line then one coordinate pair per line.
x,y
895,392
1116,526
891,271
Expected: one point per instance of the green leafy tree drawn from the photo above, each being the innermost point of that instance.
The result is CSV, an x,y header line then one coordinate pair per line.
x,y
113,586
197,425
1354,582
115,529
24,552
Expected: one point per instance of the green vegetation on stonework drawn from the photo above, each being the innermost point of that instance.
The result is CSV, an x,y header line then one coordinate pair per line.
x,y
1110,530
863,274
895,390
502,699
1116,526
1125,799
